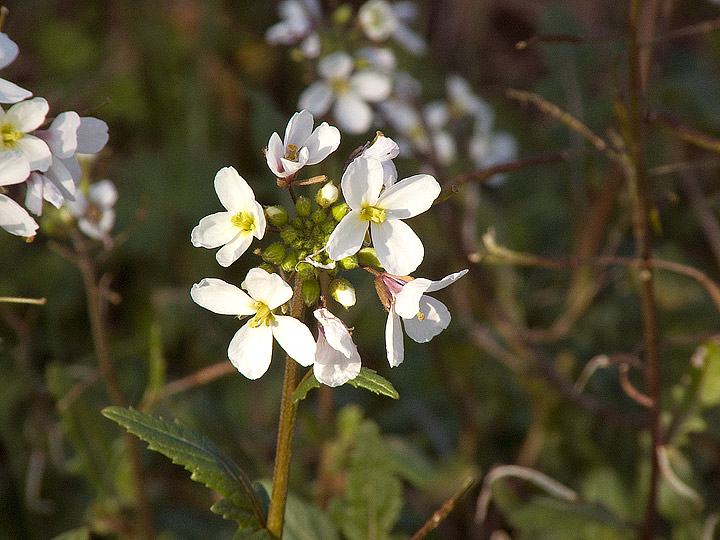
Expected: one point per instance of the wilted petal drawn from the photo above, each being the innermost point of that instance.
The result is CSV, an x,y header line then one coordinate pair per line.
x,y
250,350
398,248
409,197
234,249
295,338
267,288
213,231
14,167
323,141
220,297
394,339
335,332
316,98
436,318
347,237
232,189
333,368
352,114
371,85
447,280
15,219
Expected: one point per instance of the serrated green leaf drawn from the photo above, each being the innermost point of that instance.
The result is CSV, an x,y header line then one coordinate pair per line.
x,y
198,454
370,380
76,534
305,521
307,384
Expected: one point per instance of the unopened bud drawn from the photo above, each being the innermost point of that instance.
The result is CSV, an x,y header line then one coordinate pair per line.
x,y
288,235
303,205
348,263
310,292
318,216
289,262
276,215
305,270
274,253
267,267
327,195
343,292
340,210
367,257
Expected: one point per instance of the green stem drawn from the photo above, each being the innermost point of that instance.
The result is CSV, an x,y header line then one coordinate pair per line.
x,y
286,428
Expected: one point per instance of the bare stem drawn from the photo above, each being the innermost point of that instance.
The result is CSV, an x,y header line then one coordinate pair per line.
x,y
440,514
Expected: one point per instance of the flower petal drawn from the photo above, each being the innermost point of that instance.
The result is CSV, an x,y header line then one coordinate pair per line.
x,y
27,115
267,288
316,98
447,280
371,85
323,141
335,66
58,174
335,332
409,197
295,338
407,301
232,189
347,237
436,318
275,151
37,152
352,114
92,135
12,93
298,129
394,339
220,297
250,350
61,136
34,194
104,193
15,219
8,50
14,167
234,249
213,231
397,246
361,182
333,368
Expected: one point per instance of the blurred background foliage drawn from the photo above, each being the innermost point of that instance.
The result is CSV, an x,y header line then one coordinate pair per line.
x,y
191,86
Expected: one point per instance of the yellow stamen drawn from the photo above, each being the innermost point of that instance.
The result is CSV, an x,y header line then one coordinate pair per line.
x,y
373,213
10,136
244,221
340,86
263,316
420,316
292,152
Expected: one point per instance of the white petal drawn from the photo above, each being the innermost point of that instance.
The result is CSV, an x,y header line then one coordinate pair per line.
x,y
14,167
267,288
409,197
394,339
52,194
234,249
213,231
447,280
58,174
361,182
335,332
12,93
27,115
61,136
371,85
37,152
383,149
311,45
104,193
275,151
410,40
92,135
255,209
298,129
34,194
347,238
316,98
390,173
15,219
352,114
399,249
407,301
232,189
436,318
333,368
335,66
291,167
250,350
73,167
220,297
295,338
8,50
323,141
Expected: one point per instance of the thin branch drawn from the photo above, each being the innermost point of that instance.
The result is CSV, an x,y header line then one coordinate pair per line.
x,y
443,512
20,300
198,378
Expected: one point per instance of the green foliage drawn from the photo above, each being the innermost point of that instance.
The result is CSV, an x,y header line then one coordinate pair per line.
x,y
244,501
367,378
76,534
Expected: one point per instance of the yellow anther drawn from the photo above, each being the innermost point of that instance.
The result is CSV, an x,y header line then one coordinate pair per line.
x,y
244,221
373,213
263,316
420,316
9,135
292,152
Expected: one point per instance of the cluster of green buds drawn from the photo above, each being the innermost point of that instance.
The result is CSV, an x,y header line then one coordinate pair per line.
x,y
301,246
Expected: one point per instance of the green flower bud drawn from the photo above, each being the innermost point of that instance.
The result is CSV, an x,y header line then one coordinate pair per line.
x,y
305,270
348,263
309,224
276,215
328,227
289,261
303,205
288,235
318,216
274,253
343,292
267,267
327,195
297,223
310,292
340,210
367,257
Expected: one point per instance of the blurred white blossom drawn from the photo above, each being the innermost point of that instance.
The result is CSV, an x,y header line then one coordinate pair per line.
x,y
10,92
300,18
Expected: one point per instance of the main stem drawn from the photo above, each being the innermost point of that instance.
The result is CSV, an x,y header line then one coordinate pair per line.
x,y
286,428
641,188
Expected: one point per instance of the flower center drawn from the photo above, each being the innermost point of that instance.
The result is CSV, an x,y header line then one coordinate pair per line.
x,y
292,152
94,213
340,85
263,316
10,136
373,213
244,221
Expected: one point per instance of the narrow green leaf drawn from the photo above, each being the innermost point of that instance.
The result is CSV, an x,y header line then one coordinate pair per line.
x,y
198,454
710,389
307,384
370,380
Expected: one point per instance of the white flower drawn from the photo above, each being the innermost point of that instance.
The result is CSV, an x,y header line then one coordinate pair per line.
x,y
234,228
384,149
336,359
10,92
15,126
398,248
302,146
299,20
95,213
424,317
347,90
14,169
380,20
250,350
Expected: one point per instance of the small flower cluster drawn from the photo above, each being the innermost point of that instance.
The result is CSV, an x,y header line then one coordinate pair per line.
x,y
42,154
324,238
